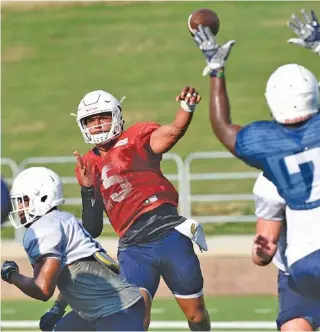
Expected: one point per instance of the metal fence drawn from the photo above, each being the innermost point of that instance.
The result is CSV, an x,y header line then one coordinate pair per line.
x,y
184,178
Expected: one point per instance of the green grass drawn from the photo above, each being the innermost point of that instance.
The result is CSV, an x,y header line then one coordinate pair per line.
x,y
52,56
221,308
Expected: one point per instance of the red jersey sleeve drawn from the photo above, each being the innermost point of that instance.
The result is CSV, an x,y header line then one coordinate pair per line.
x,y
143,136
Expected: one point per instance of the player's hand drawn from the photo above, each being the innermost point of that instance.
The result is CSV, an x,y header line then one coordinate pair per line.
x,y
51,317
85,170
8,267
308,31
189,98
264,247
215,54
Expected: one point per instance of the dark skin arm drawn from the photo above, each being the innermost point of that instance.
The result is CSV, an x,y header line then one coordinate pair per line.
x,y
44,282
220,118
164,138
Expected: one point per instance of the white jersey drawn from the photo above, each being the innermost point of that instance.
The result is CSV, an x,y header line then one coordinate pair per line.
x,y
59,235
271,206
303,233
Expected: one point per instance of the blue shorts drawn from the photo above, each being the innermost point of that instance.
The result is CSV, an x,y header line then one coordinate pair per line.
x,y
172,258
294,305
305,275
130,319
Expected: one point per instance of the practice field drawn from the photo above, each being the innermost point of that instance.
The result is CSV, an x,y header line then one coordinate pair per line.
x,y
52,54
227,313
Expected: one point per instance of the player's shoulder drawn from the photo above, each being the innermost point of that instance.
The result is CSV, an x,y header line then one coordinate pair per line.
x,y
258,138
312,125
141,127
92,155
50,223
261,128
265,188
315,120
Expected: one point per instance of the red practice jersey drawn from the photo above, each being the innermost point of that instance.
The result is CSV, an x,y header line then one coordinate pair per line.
x,y
131,181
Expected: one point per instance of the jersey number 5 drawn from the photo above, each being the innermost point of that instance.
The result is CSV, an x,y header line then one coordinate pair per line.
x,y
124,184
294,162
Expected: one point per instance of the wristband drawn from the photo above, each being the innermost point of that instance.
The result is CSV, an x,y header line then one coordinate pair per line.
x,y
219,72
88,191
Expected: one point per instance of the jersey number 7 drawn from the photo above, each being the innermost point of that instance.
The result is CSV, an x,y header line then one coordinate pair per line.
x,y
294,163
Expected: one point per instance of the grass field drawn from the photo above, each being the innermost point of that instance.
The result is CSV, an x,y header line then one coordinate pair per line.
x,y
221,309
53,55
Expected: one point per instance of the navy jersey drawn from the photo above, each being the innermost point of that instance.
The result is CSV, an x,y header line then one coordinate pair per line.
x,y
288,156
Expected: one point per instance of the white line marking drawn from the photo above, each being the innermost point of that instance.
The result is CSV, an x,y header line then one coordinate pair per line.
x,y
262,311
9,311
158,311
165,324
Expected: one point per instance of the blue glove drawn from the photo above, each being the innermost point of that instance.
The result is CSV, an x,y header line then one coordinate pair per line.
x,y
7,268
308,31
51,318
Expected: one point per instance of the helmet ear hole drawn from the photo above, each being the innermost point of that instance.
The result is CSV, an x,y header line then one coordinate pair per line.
x,y
44,198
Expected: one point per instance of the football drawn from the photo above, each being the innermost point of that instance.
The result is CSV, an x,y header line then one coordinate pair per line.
x,y
205,17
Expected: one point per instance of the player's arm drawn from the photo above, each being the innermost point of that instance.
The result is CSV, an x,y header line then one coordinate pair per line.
x,y
307,31
44,281
219,112
265,242
270,212
219,107
92,211
166,136
92,204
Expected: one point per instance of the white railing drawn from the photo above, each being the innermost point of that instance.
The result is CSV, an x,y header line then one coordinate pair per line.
x,y
215,197
184,178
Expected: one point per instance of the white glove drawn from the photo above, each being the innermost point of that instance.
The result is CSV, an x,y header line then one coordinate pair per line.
x,y
215,54
194,231
307,31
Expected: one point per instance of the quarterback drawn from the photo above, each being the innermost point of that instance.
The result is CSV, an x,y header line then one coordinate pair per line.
x,y
121,175
64,255
287,149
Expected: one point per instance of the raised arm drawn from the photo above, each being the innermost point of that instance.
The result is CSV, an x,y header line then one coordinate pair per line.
x,y
219,108
165,137
307,31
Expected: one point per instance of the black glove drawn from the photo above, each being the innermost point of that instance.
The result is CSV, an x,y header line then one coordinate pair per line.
x,y
7,268
50,318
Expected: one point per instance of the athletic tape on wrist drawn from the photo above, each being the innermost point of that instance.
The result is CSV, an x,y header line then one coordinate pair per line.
x,y
187,107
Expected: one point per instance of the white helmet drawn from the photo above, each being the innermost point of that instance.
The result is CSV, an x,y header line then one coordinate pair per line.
x,y
292,94
42,187
97,102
